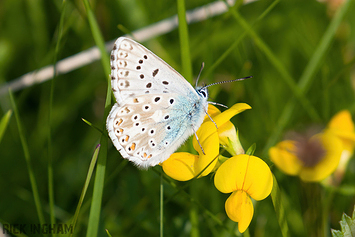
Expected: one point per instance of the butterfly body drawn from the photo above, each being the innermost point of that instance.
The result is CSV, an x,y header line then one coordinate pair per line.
x,y
156,109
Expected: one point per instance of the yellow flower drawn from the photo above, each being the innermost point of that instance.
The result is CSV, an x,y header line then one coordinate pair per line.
x,y
342,126
245,176
228,137
311,158
184,166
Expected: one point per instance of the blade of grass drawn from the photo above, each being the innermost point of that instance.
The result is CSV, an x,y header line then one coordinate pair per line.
x,y
184,41
95,210
50,109
237,41
187,72
161,205
307,76
92,125
206,211
279,208
108,233
278,66
4,122
86,185
99,40
28,162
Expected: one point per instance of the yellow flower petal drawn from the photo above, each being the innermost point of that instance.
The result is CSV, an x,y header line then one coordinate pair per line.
x,y
244,172
225,116
239,208
283,156
329,163
342,126
180,166
227,133
228,138
342,121
208,138
212,111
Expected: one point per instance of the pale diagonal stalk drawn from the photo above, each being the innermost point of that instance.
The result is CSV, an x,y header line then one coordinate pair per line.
x,y
28,162
308,74
95,210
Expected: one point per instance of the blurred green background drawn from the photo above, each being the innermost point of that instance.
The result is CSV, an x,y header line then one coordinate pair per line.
x,y
281,42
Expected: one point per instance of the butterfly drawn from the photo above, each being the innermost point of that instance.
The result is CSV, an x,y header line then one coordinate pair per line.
x,y
156,109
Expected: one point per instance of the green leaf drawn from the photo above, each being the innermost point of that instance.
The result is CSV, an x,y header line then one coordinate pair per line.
x,y
347,225
251,150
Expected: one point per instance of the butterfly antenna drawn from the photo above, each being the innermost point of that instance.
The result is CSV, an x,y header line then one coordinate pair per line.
x,y
199,74
221,82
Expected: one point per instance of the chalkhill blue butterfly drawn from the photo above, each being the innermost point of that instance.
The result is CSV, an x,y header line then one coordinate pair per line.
x,y
156,109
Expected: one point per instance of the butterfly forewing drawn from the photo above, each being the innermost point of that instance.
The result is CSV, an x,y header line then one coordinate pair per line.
x,y
156,110
135,69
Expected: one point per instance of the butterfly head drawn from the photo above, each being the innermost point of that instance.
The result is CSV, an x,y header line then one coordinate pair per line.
x,y
203,92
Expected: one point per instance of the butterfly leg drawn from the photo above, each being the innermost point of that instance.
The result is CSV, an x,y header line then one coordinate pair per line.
x,y
199,143
211,119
